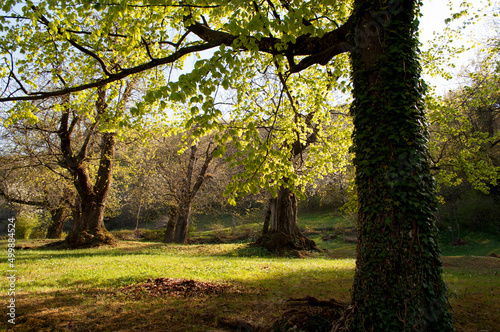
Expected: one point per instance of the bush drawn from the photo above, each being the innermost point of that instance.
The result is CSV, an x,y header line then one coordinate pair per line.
x,y
479,212
471,210
26,223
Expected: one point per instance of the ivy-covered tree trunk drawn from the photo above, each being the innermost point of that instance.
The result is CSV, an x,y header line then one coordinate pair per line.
x,y
398,283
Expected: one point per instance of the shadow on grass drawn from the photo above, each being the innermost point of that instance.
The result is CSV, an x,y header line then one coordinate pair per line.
x,y
137,248
335,251
260,302
78,305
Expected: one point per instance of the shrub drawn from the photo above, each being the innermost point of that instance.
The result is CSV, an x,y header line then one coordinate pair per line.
x,y
470,210
26,223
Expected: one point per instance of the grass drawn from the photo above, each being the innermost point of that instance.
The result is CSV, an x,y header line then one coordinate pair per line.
x,y
56,288
477,244
76,290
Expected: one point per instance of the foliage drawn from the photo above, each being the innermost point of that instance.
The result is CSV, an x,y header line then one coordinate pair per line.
x,y
26,223
465,130
464,122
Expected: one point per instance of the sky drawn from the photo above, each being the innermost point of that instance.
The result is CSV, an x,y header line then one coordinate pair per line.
x,y
435,12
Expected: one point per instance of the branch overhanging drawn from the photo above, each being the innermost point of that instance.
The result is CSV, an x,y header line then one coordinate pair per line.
x,y
317,50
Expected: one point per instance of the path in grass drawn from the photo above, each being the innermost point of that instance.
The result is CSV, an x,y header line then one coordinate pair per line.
x,y
76,289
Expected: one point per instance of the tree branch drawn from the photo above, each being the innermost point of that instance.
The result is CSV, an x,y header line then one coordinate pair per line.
x,y
203,171
115,76
319,50
22,201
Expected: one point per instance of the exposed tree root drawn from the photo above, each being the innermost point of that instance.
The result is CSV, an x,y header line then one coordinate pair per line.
x,y
312,301
282,244
90,238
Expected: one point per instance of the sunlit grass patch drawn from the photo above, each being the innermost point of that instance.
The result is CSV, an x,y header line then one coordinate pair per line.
x,y
63,289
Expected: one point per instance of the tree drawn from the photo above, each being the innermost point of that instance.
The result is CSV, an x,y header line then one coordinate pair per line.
x,y
281,231
398,283
88,219
183,175
59,212
30,174
465,127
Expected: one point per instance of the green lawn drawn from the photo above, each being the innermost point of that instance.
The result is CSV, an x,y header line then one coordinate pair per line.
x,y
86,289
76,290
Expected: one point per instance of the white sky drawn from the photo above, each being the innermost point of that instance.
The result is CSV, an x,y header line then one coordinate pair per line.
x,y
435,12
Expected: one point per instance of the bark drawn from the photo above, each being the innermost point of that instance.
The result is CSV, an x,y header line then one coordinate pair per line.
x,y
267,218
182,225
137,216
88,224
398,283
172,221
284,235
59,217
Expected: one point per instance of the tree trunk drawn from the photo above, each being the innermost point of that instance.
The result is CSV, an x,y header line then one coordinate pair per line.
x,y
59,217
398,283
188,194
284,234
137,217
182,225
88,225
171,223
267,218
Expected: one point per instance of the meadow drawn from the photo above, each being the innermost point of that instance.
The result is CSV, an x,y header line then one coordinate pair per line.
x,y
225,286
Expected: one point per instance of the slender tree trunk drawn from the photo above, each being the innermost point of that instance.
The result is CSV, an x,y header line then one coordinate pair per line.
x,y
188,194
137,216
171,223
182,226
398,284
59,217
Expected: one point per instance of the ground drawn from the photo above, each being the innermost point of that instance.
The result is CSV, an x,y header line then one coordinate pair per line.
x,y
219,283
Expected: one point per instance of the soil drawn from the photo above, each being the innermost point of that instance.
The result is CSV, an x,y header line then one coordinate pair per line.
x,y
176,288
310,314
